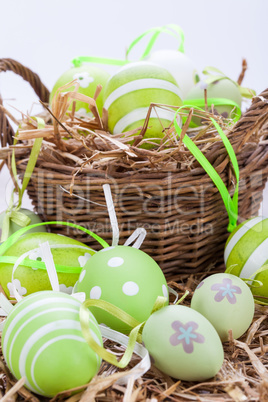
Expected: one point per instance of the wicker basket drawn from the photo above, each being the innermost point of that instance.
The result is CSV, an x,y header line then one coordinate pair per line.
x,y
181,209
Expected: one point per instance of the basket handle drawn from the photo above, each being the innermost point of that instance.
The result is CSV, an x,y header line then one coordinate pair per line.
x,y
6,131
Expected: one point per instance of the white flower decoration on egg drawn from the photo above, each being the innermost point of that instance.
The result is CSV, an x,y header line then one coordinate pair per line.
x,y
64,289
84,79
21,290
83,259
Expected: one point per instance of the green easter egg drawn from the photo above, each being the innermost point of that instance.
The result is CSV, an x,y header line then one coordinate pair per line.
x,y
43,342
129,93
89,76
183,344
126,277
227,302
29,280
246,251
178,64
13,227
223,88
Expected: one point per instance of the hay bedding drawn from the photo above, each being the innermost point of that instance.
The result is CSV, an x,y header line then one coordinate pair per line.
x,y
243,376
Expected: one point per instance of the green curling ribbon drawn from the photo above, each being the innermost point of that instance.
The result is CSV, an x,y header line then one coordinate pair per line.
x,y
200,103
13,214
134,336
214,74
231,204
171,29
38,264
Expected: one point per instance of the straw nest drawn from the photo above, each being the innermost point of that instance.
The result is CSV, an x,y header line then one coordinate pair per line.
x,y
243,376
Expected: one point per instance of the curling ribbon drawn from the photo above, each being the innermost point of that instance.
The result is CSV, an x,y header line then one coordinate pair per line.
x,y
171,29
15,236
121,315
13,212
231,203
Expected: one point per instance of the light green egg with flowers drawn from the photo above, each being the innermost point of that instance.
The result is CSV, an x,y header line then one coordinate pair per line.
x,y
89,77
69,256
183,343
227,302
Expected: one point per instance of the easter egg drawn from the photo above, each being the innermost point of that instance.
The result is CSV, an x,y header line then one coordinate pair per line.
x,y
227,302
126,277
129,93
13,227
43,342
88,76
69,261
246,251
183,344
223,88
179,65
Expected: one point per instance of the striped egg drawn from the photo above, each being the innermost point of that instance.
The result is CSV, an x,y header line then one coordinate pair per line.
x,y
42,341
129,93
246,251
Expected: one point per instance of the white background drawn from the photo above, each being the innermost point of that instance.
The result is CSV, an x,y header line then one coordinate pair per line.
x,y
47,35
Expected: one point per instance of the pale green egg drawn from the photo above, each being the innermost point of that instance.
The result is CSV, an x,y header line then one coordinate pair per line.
x,y
13,227
227,302
183,344
221,89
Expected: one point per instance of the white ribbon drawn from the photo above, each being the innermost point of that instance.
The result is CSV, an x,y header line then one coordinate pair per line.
x,y
139,234
112,214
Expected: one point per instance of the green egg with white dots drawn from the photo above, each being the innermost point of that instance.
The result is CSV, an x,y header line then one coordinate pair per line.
x,y
126,277
69,258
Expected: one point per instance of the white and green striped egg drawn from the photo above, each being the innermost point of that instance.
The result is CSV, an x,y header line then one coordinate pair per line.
x,y
43,342
129,93
246,251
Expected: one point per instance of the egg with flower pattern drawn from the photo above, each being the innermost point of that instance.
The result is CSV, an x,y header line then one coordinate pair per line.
x,y
227,302
183,344
88,76
69,256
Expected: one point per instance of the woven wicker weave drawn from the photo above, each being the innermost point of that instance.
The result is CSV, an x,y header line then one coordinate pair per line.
x,y
181,209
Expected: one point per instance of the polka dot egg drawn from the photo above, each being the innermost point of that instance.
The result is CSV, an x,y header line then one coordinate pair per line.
x,y
246,251
126,277
227,302
43,342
